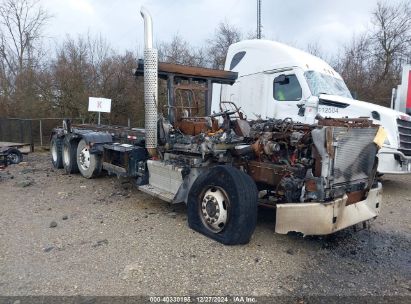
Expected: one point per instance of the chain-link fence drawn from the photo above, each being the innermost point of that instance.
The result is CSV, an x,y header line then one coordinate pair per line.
x,y
35,132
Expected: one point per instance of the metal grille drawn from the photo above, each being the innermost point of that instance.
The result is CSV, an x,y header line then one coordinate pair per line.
x,y
404,130
150,96
354,153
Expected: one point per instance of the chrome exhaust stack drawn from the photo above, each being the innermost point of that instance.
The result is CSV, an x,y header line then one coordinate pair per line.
x,y
150,84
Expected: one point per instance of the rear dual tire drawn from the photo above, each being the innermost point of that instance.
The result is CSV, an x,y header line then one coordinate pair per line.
x,y
89,164
69,155
74,156
56,148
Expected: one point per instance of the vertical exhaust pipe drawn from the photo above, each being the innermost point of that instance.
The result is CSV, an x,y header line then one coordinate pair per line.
x,y
150,84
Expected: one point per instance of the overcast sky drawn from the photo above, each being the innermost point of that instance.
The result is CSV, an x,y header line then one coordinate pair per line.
x,y
329,23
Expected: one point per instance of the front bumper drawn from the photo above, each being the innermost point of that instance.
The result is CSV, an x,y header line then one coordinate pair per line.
x,y
326,218
392,161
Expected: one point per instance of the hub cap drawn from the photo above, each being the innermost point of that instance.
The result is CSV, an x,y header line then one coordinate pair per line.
x,y
85,158
13,158
213,210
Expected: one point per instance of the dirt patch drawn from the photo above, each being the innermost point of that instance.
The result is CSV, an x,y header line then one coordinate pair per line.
x,y
66,235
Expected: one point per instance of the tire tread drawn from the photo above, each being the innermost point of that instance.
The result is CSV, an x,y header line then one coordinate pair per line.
x,y
72,166
59,144
240,229
91,173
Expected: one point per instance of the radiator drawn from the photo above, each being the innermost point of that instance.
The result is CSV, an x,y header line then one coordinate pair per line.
x,y
354,155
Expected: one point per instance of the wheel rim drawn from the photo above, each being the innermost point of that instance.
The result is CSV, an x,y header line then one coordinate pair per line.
x,y
54,152
214,209
84,158
66,155
13,158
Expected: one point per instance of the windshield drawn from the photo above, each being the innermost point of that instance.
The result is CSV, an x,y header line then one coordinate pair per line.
x,y
320,83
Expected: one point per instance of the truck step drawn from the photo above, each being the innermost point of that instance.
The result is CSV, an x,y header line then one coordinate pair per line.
x,y
164,180
164,176
120,171
157,192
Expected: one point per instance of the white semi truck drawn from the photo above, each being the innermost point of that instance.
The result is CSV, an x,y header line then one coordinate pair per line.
x,y
279,81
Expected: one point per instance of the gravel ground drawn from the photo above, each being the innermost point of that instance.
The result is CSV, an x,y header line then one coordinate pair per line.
x,y
65,235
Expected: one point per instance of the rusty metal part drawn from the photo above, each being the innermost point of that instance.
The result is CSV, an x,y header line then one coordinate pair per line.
x,y
185,106
257,148
355,197
196,71
152,152
329,142
164,68
317,162
346,122
186,102
267,173
271,147
311,185
242,127
190,86
229,106
196,125
200,80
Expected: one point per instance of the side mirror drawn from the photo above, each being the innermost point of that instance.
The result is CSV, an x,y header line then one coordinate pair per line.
x,y
311,109
312,101
282,79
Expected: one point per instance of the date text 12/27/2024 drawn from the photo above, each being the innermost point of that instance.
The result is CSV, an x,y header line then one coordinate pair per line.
x,y
202,299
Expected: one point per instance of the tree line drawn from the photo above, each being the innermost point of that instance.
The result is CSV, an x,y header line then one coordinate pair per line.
x,y
35,82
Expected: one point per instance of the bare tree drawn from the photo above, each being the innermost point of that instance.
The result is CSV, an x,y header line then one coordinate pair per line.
x,y
371,63
181,52
225,35
21,25
355,64
87,66
391,36
72,76
314,48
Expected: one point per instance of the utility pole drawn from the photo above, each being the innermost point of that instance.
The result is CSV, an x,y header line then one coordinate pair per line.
x,y
258,19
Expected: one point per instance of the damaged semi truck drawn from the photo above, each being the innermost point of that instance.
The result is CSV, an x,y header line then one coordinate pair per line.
x,y
284,80
320,177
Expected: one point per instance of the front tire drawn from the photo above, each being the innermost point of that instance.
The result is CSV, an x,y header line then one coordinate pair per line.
x,y
88,164
69,155
222,204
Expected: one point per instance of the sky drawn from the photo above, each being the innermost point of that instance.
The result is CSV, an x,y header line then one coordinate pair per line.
x,y
299,22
